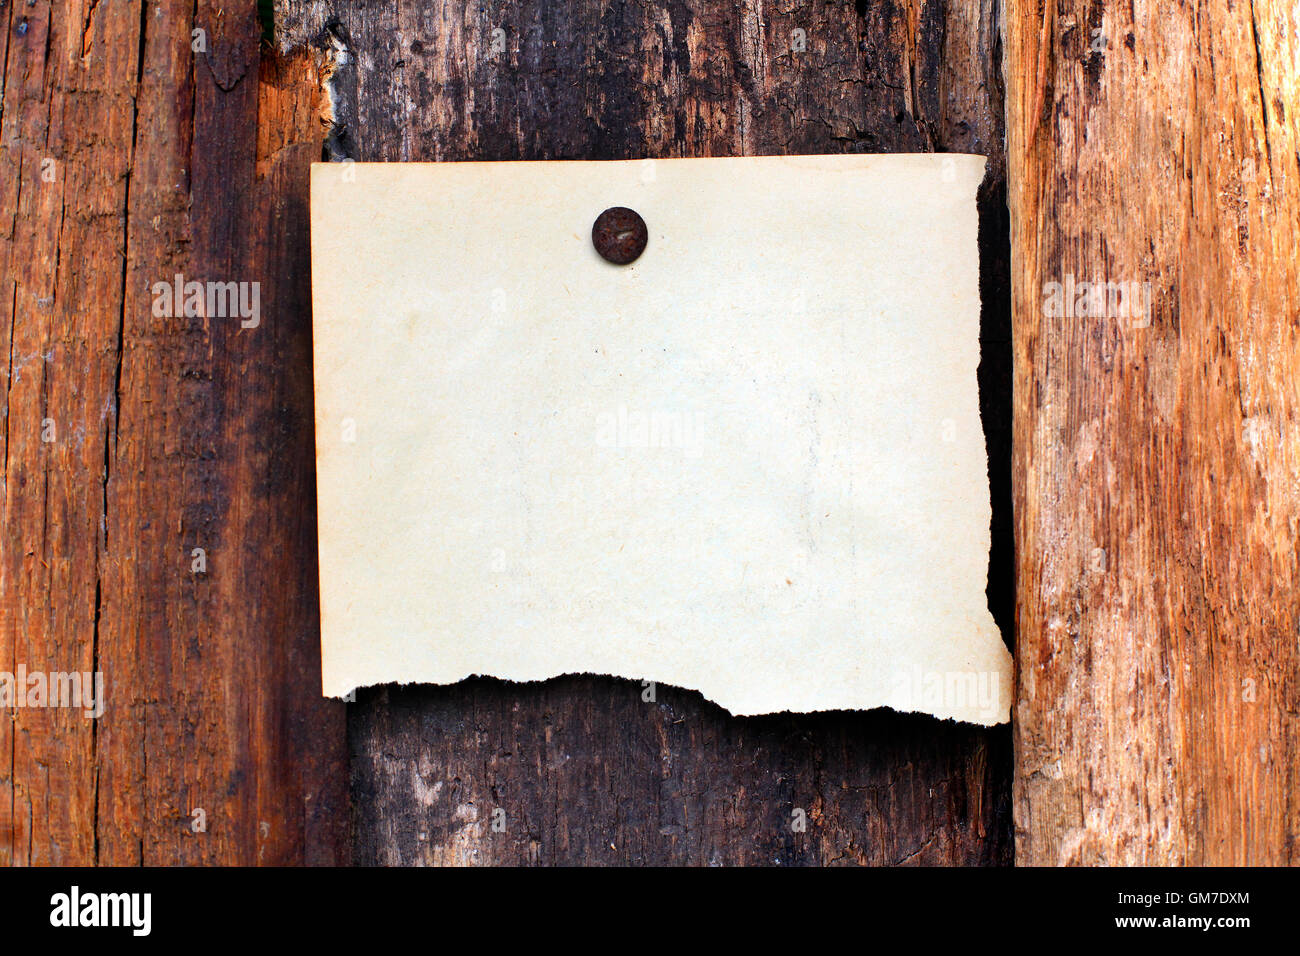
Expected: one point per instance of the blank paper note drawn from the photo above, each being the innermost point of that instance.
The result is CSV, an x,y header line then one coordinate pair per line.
x,y
750,463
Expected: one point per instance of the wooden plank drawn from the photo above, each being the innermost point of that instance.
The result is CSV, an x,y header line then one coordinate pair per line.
x,y
584,769
1157,462
171,433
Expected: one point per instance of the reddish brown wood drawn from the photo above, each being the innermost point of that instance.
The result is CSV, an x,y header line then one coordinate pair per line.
x,y
170,434
1157,457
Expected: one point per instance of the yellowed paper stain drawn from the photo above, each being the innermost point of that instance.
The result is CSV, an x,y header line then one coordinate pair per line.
x,y
750,463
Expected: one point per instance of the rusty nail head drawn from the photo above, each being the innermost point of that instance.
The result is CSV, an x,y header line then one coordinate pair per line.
x,y
619,235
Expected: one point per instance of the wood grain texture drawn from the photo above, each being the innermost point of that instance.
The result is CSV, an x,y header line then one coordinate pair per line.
x,y
585,770
1157,463
169,434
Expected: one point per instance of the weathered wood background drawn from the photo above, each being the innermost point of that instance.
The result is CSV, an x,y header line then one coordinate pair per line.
x,y
182,433
1156,475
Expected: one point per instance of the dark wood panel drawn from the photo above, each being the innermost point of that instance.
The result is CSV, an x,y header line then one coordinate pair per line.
x,y
585,770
